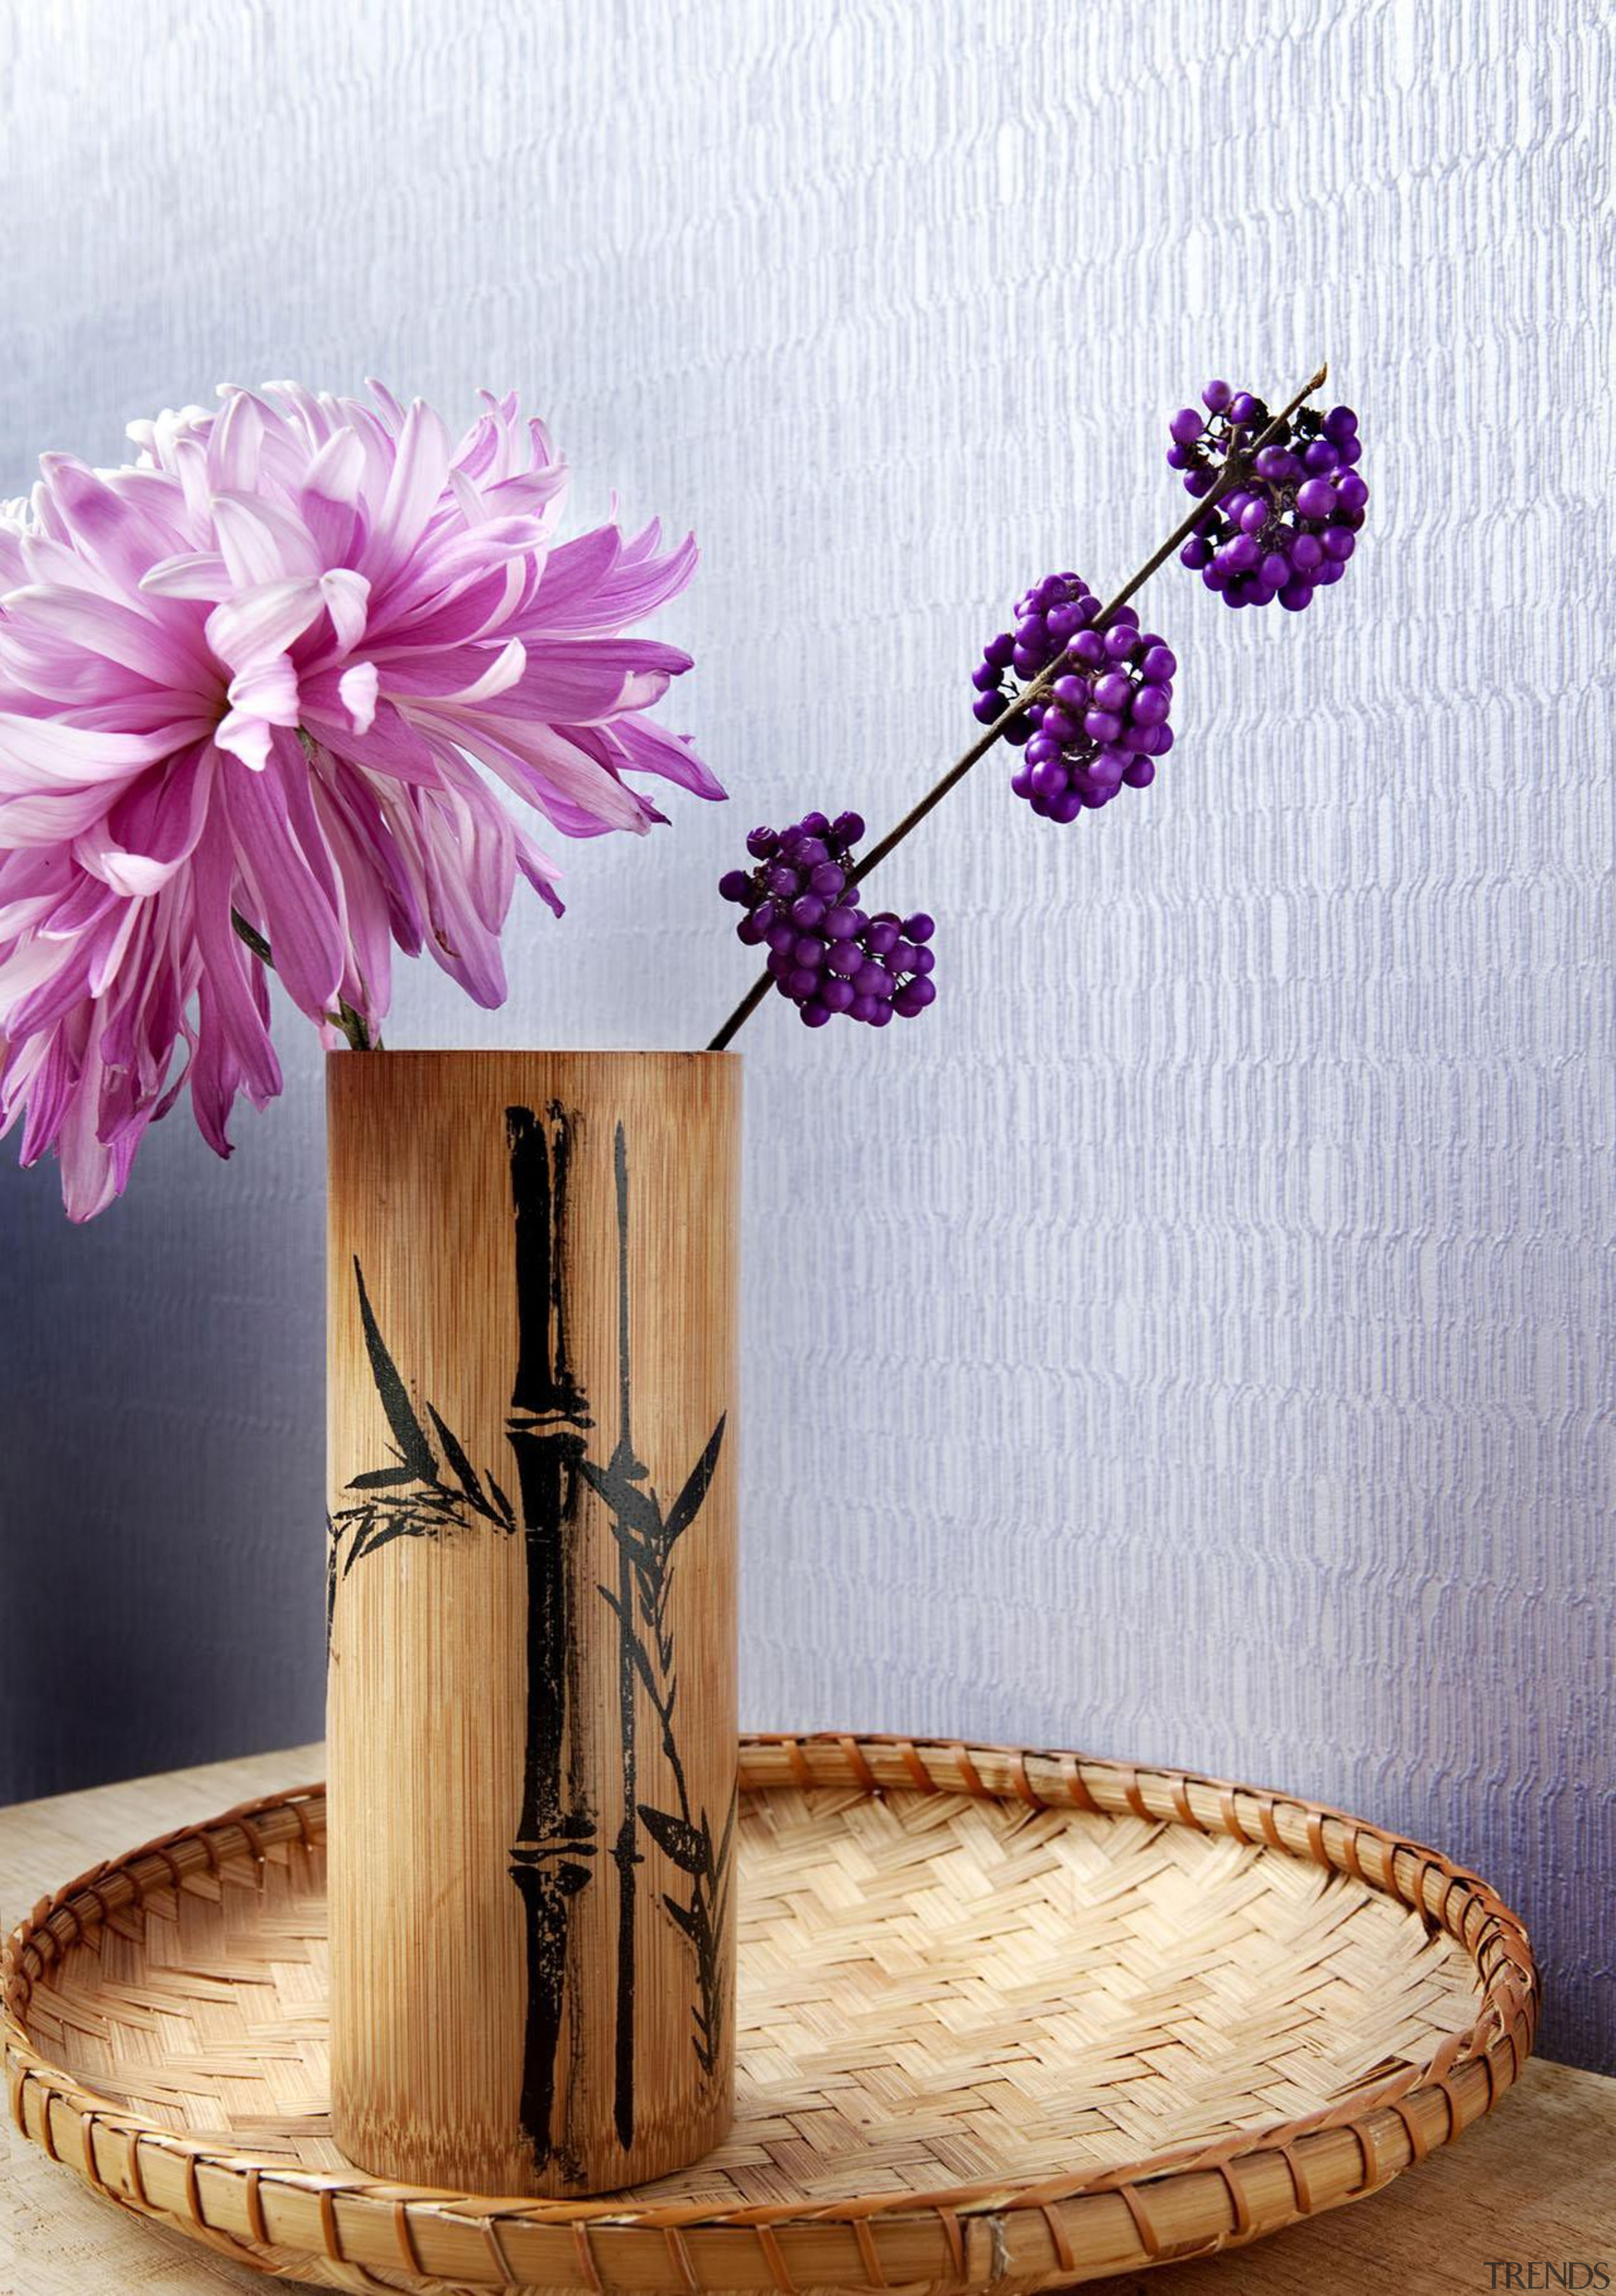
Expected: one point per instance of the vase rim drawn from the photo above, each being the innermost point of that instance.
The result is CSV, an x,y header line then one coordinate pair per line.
x,y
472,1053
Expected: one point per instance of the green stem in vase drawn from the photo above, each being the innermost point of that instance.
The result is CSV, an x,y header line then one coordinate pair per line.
x,y
351,1023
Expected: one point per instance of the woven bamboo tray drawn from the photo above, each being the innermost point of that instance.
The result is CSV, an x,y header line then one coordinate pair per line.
x,y
1009,2020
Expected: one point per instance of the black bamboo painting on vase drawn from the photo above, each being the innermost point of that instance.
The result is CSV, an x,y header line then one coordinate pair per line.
x,y
428,1489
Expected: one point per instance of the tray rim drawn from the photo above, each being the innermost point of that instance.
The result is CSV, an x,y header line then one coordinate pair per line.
x,y
1395,2122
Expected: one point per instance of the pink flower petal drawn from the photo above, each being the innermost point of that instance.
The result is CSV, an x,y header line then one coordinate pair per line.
x,y
141,642
358,687
192,574
547,769
300,922
347,597
280,667
266,689
50,749
418,475
152,830
261,542
263,620
647,748
246,737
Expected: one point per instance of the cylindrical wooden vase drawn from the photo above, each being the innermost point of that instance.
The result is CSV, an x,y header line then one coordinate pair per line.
x,y
532,1613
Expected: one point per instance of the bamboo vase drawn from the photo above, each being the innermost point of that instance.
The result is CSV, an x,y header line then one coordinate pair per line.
x,y
531,1614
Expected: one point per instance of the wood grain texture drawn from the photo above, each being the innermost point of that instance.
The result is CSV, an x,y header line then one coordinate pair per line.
x,y
532,1685
1191,1337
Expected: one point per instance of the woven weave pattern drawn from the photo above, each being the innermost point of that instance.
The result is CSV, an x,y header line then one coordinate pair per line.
x,y
933,1993
1003,2015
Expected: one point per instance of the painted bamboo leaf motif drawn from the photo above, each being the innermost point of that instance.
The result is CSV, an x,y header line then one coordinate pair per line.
x,y
676,1838
646,1540
411,1496
414,1452
430,1487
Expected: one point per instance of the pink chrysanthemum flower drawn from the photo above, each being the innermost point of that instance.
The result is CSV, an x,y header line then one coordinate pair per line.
x,y
262,676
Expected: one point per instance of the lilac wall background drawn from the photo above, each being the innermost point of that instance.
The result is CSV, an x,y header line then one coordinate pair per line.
x,y
1191,1340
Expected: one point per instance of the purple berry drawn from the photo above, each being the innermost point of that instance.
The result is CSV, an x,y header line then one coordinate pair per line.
x,y
824,954
1269,537
1096,718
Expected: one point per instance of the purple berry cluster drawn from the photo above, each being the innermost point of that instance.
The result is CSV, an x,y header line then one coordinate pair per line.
x,y
825,954
1102,722
1291,524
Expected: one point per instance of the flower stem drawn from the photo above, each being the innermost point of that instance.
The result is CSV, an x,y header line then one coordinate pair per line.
x,y
1234,470
351,1023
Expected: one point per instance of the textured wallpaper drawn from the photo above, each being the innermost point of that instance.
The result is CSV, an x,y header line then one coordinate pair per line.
x,y
1190,1340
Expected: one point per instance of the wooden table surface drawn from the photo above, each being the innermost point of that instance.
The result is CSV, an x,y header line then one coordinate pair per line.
x,y
1535,2182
